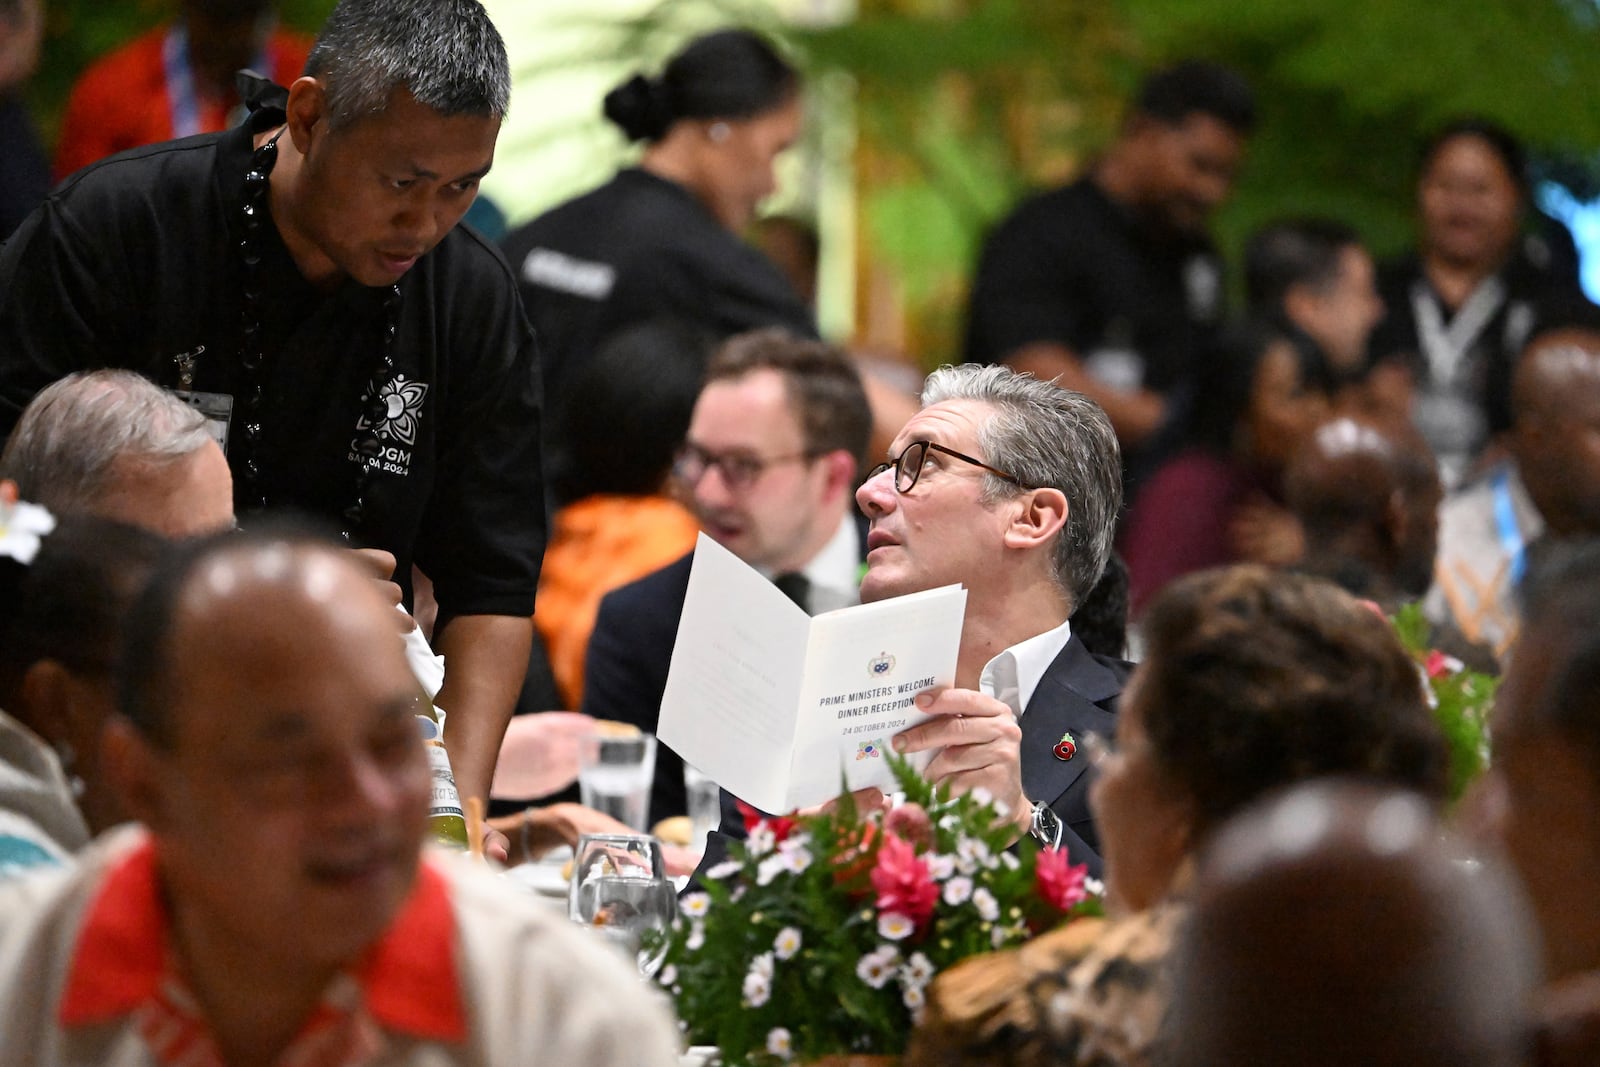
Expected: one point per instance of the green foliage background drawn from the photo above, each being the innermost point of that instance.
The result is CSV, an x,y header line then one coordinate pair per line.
x,y
961,105
1348,89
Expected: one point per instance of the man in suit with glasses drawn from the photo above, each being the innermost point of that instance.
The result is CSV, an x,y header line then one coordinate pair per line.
x,y
773,452
1009,486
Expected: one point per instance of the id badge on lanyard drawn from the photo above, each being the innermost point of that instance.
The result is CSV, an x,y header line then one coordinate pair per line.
x,y
216,407
218,410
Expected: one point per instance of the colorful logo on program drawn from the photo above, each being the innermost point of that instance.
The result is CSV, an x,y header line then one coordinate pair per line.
x,y
870,750
881,665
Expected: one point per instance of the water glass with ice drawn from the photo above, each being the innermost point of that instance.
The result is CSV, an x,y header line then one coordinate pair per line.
x,y
615,774
705,805
621,890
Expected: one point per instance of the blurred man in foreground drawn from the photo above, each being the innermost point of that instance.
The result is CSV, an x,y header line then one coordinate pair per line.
x,y
1338,924
276,910
1544,786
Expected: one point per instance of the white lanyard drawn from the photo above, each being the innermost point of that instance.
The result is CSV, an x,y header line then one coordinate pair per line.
x,y
1445,348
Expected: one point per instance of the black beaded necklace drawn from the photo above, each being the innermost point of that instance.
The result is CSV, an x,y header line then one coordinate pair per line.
x,y
251,357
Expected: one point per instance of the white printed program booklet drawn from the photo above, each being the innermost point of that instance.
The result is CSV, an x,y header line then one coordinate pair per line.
x,y
779,707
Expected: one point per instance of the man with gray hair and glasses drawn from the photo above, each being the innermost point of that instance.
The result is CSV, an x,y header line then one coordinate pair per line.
x,y
301,281
112,444
1009,486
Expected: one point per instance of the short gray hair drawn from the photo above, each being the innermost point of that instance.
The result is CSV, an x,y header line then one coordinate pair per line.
x,y
446,53
70,436
1046,437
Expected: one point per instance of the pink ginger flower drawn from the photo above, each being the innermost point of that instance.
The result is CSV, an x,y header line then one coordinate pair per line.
x,y
902,880
1060,882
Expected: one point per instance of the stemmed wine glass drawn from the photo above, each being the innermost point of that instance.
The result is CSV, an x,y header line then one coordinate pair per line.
x,y
620,888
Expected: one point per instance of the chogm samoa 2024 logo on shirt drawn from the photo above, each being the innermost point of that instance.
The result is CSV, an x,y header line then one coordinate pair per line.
x,y
398,413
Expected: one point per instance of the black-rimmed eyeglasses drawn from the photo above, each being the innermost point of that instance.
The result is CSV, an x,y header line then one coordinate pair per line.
x,y
908,465
739,470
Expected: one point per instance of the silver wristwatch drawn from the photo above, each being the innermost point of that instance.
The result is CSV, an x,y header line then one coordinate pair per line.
x,y
1046,827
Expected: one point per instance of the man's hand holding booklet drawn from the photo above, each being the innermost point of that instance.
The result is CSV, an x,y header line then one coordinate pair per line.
x,y
782,708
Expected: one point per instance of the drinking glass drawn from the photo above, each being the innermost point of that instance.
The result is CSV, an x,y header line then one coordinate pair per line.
x,y
705,805
615,774
620,888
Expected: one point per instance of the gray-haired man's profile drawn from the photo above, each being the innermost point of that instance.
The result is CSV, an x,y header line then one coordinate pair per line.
x,y
112,444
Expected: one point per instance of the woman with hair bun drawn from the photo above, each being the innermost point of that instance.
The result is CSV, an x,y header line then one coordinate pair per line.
x,y
661,239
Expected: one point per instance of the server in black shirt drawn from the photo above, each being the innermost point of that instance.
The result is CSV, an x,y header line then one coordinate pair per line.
x,y
1111,284
302,281
661,239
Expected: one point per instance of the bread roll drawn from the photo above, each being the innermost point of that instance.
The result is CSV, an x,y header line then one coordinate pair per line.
x,y
675,830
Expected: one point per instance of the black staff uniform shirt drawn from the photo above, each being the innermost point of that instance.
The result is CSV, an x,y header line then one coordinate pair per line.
x,y
1071,267
638,248
135,263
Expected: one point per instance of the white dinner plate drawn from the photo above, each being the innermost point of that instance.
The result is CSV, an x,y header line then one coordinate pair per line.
x,y
545,876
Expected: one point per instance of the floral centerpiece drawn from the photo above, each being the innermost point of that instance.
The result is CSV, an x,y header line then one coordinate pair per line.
x,y
1460,698
819,935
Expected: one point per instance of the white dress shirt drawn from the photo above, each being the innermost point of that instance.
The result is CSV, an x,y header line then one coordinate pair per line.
x,y
834,572
1013,675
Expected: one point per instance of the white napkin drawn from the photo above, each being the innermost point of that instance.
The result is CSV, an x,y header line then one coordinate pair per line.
x,y
428,668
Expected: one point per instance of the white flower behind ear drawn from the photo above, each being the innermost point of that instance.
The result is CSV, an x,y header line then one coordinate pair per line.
x,y
22,527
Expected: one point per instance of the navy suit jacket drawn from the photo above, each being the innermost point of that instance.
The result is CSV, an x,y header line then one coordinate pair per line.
x,y
1078,694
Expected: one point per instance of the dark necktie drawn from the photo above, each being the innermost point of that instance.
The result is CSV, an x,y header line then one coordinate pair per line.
x,y
795,586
